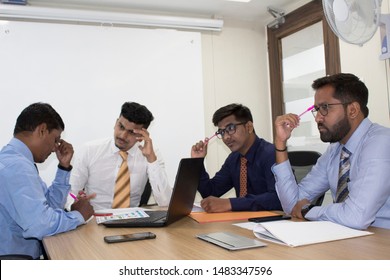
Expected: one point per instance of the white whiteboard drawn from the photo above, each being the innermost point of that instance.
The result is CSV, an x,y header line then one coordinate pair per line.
x,y
87,72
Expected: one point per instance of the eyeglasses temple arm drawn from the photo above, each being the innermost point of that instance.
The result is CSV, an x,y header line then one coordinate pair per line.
x,y
307,110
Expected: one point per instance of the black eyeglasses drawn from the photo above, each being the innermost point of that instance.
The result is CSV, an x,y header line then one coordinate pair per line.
x,y
230,129
323,109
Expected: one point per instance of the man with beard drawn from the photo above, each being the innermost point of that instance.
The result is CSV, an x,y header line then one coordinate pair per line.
x,y
96,170
254,187
355,167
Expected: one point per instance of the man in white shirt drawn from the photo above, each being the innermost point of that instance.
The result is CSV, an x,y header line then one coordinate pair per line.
x,y
96,168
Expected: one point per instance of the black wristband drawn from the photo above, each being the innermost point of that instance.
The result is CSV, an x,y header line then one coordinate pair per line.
x,y
278,150
65,168
306,208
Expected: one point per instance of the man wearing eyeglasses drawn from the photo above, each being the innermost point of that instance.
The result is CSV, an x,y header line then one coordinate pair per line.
x,y
355,167
247,169
97,168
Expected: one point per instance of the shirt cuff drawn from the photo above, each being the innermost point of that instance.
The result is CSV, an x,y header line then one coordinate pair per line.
x,y
238,204
153,167
79,217
62,176
281,170
313,213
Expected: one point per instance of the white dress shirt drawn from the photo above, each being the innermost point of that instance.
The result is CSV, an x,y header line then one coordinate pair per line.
x,y
96,168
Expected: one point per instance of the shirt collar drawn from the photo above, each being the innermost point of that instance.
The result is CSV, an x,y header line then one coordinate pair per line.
x,y
22,148
357,135
250,155
115,150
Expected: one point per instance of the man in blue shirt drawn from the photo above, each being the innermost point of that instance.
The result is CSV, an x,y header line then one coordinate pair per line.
x,y
235,128
29,210
340,110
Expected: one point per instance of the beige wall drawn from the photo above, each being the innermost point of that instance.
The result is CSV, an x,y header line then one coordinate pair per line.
x,y
236,70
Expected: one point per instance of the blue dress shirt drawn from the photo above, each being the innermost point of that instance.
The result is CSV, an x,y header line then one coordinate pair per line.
x,y
260,185
368,202
29,210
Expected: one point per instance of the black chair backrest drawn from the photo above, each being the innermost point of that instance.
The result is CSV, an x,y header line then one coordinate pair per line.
x,y
146,194
303,158
15,257
302,162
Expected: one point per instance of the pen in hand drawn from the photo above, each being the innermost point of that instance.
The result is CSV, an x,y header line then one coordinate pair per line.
x,y
102,214
207,139
307,110
73,196
301,114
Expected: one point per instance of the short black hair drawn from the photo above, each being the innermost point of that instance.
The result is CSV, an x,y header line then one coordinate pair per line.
x,y
241,112
347,88
36,114
137,113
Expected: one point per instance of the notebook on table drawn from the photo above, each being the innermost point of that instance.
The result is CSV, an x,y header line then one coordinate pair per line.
x,y
182,199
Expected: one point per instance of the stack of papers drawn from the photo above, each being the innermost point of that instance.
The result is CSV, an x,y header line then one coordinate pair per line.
x,y
303,233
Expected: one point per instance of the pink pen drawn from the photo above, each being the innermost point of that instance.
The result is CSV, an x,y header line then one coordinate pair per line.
x,y
207,139
307,110
102,214
73,196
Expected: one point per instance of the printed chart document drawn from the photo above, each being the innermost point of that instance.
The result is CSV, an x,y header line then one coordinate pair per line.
x,y
296,234
119,214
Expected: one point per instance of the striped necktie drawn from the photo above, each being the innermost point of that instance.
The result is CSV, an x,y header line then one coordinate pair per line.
x,y
243,177
122,185
342,185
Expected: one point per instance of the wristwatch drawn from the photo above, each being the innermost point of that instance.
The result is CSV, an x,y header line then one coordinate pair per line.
x,y
65,168
306,208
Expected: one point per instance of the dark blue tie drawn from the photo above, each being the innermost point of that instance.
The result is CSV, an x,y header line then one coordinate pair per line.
x,y
342,185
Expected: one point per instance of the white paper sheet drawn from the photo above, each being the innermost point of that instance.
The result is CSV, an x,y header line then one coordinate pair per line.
x,y
303,233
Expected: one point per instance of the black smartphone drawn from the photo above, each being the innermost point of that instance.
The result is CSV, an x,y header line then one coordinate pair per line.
x,y
129,237
269,219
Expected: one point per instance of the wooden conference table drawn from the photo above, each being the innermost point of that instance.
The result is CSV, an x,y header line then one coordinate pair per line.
x,y
178,242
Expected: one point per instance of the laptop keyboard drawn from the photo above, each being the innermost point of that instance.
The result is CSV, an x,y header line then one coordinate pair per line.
x,y
153,216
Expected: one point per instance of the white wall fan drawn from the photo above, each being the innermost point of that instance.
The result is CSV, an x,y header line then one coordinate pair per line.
x,y
356,21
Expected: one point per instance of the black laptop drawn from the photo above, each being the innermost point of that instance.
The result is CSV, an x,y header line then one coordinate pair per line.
x,y
182,199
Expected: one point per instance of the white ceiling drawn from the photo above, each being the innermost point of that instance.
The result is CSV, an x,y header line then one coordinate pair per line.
x,y
254,10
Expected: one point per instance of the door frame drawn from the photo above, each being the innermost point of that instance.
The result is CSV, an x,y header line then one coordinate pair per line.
x,y
295,21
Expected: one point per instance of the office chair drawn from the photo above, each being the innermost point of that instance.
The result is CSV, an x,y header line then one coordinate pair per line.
x,y
15,257
145,195
302,162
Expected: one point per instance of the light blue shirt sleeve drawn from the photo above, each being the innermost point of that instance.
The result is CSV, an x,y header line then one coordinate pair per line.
x,y
29,210
38,210
312,186
368,202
